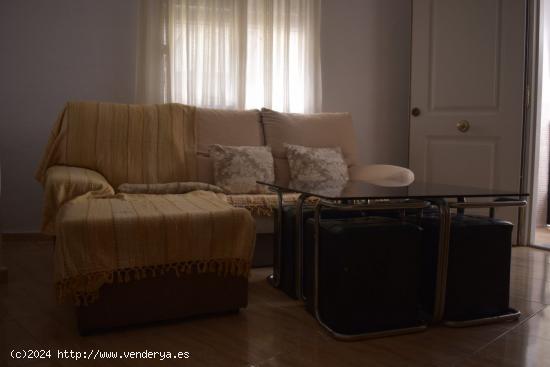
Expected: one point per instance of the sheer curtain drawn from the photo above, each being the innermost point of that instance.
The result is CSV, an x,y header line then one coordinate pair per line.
x,y
231,53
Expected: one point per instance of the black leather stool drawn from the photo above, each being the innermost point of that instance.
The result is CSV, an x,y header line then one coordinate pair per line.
x,y
478,278
368,276
288,253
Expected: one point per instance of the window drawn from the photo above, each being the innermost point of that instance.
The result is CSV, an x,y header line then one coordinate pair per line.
x,y
237,53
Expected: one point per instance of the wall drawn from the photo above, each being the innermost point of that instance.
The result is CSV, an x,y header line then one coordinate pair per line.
x,y
365,47
59,50
54,51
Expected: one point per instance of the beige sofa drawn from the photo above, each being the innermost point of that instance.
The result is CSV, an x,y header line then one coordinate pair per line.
x,y
146,252
225,127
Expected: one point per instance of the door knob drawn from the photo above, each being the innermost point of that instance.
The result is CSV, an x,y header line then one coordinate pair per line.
x,y
415,112
463,126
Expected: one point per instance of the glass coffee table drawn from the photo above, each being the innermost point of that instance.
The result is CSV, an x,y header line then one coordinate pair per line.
x,y
361,195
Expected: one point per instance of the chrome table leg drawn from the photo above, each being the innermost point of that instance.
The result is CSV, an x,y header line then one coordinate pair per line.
x,y
442,258
299,247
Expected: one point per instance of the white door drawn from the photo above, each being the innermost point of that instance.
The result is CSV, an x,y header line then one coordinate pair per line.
x,y
467,90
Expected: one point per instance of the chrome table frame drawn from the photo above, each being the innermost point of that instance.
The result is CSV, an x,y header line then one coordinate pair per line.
x,y
275,278
444,209
299,264
372,205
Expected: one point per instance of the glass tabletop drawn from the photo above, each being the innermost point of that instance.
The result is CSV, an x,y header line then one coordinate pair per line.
x,y
361,190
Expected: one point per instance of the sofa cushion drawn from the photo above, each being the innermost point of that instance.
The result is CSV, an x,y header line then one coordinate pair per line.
x,y
237,169
310,167
205,169
282,171
312,130
225,127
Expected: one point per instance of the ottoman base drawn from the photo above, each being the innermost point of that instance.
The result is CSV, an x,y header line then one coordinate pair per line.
x,y
162,298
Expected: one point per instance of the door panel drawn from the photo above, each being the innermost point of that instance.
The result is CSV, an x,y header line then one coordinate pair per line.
x,y
446,165
470,49
468,65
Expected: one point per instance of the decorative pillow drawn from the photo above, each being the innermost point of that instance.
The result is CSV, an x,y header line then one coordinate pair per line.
x,y
236,169
315,166
225,127
167,188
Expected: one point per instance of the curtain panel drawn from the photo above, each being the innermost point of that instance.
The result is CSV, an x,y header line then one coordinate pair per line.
x,y
230,53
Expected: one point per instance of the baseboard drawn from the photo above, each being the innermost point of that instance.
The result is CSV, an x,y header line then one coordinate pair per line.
x,y
27,237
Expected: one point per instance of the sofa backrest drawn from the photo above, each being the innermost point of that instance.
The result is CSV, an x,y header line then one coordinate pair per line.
x,y
320,130
225,127
170,142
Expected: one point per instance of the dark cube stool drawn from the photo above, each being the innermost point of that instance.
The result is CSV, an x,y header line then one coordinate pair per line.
x,y
369,275
287,271
478,279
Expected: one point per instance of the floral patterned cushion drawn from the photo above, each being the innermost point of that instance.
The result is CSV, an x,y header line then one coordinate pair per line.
x,y
237,168
310,167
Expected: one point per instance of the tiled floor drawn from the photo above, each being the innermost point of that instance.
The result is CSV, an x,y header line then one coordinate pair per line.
x,y
273,331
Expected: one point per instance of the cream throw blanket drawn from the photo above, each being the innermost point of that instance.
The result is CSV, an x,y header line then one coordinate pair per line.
x,y
102,237
131,236
65,183
125,143
97,146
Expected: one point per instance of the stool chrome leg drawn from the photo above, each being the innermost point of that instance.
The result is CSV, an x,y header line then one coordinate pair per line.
x,y
442,258
512,315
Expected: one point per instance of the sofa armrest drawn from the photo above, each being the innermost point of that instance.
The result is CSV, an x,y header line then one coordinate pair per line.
x,y
383,175
64,183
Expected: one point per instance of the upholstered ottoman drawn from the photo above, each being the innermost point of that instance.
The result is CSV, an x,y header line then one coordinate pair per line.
x,y
132,258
